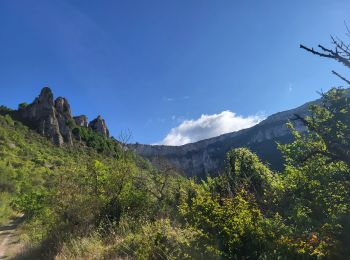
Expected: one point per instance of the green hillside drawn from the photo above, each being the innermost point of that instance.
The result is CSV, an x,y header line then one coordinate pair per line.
x,y
95,200
71,191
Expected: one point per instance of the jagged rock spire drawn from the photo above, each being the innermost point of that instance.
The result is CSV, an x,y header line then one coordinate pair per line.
x,y
53,118
49,118
99,125
64,116
62,106
45,98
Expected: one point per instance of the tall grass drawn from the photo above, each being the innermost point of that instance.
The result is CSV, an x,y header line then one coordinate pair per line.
x,y
6,211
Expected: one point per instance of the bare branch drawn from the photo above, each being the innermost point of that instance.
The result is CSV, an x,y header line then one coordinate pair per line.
x,y
315,52
327,53
125,137
342,46
341,77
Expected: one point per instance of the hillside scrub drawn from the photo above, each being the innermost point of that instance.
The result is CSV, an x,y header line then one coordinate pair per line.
x,y
5,207
84,202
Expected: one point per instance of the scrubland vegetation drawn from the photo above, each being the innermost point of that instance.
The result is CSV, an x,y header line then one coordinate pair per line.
x,y
99,201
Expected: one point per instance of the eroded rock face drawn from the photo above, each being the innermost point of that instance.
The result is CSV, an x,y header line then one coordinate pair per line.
x,y
41,106
208,156
64,118
41,115
50,118
62,107
99,125
53,119
81,121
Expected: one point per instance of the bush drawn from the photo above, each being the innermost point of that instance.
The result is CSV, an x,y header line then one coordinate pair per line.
x,y
233,226
22,106
160,240
97,141
5,210
5,110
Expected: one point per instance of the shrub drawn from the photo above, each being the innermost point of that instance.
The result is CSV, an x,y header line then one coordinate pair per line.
x,y
22,106
161,240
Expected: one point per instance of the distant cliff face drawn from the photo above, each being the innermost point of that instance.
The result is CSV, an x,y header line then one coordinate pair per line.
x,y
53,118
208,156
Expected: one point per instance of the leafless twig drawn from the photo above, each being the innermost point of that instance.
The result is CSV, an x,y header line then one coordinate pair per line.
x,y
341,77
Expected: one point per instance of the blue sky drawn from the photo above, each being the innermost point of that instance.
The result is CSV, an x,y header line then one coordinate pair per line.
x,y
149,65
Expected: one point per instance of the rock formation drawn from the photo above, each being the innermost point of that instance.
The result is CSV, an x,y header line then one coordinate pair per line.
x,y
81,120
99,125
64,118
41,115
53,119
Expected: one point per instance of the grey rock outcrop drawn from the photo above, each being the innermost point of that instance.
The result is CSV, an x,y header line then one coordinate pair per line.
x,y
50,118
62,107
99,126
41,115
81,120
53,119
64,118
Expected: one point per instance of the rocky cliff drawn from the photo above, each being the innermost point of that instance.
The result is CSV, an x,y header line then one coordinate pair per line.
x,y
53,118
207,156
81,121
99,126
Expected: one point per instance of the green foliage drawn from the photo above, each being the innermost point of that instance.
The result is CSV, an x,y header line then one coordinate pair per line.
x,y
71,124
304,212
71,191
233,226
161,240
316,202
245,170
89,247
5,210
98,142
4,110
100,201
331,123
22,105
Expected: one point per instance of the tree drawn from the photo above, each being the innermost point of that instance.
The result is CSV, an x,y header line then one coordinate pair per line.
x,y
244,169
331,120
316,181
22,106
316,201
340,52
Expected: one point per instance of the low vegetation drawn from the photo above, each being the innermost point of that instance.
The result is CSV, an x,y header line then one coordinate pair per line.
x,y
99,201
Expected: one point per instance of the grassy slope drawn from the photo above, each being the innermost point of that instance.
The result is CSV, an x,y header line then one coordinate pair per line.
x,y
65,192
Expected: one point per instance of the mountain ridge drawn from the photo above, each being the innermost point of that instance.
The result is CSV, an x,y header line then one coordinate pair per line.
x,y
53,119
206,156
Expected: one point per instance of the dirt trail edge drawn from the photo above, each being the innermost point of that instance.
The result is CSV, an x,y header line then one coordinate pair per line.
x,y
9,237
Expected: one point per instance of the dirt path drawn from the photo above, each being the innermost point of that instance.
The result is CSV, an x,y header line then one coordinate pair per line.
x,y
9,238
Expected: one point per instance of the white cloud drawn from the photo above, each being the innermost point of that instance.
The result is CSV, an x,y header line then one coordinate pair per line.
x,y
208,126
168,99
